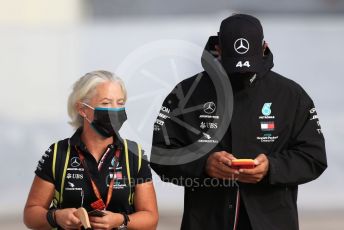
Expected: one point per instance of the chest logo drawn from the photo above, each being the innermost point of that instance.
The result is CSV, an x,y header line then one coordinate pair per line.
x,y
266,110
209,107
75,162
267,126
115,162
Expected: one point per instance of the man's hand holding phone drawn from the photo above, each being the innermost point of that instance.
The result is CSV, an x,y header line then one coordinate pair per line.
x,y
224,165
219,166
257,173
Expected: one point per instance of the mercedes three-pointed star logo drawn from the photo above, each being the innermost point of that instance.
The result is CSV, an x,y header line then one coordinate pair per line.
x,y
75,162
209,107
241,46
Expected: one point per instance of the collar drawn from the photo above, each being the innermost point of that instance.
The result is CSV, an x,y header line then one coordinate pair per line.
x,y
75,140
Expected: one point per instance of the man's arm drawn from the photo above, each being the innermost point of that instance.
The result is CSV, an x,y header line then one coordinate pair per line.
x,y
305,158
169,136
174,172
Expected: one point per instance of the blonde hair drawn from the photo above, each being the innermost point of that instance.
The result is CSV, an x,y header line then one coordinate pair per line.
x,y
84,90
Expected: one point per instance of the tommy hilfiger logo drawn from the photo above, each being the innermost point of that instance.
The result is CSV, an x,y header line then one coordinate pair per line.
x,y
267,126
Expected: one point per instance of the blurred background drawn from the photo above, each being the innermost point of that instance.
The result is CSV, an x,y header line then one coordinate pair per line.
x,y
45,46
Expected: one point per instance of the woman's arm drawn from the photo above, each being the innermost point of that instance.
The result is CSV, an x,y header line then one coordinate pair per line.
x,y
146,215
37,205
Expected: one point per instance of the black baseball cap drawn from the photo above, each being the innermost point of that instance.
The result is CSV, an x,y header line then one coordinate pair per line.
x,y
241,41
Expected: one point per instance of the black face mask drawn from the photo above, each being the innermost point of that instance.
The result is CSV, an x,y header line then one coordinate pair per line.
x,y
108,121
240,81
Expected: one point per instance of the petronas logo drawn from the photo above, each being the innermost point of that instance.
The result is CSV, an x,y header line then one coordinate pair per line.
x,y
266,110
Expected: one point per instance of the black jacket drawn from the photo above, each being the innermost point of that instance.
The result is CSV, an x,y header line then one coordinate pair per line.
x,y
287,131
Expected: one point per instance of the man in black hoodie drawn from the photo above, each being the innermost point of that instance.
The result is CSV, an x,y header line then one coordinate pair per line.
x,y
205,123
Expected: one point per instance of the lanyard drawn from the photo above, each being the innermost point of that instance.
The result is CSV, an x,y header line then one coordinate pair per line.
x,y
102,159
99,204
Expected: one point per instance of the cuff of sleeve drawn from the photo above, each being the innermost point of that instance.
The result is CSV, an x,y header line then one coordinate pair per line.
x,y
143,180
272,170
44,177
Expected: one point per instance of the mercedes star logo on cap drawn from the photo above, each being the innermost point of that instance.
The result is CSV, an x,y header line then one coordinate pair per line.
x,y
241,46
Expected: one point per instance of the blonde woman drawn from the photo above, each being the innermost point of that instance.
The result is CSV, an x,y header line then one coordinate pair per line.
x,y
95,168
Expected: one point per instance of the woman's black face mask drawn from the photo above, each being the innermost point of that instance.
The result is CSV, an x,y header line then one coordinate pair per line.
x,y
107,121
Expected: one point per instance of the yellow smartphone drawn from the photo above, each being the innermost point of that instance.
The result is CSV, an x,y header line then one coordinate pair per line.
x,y
243,164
